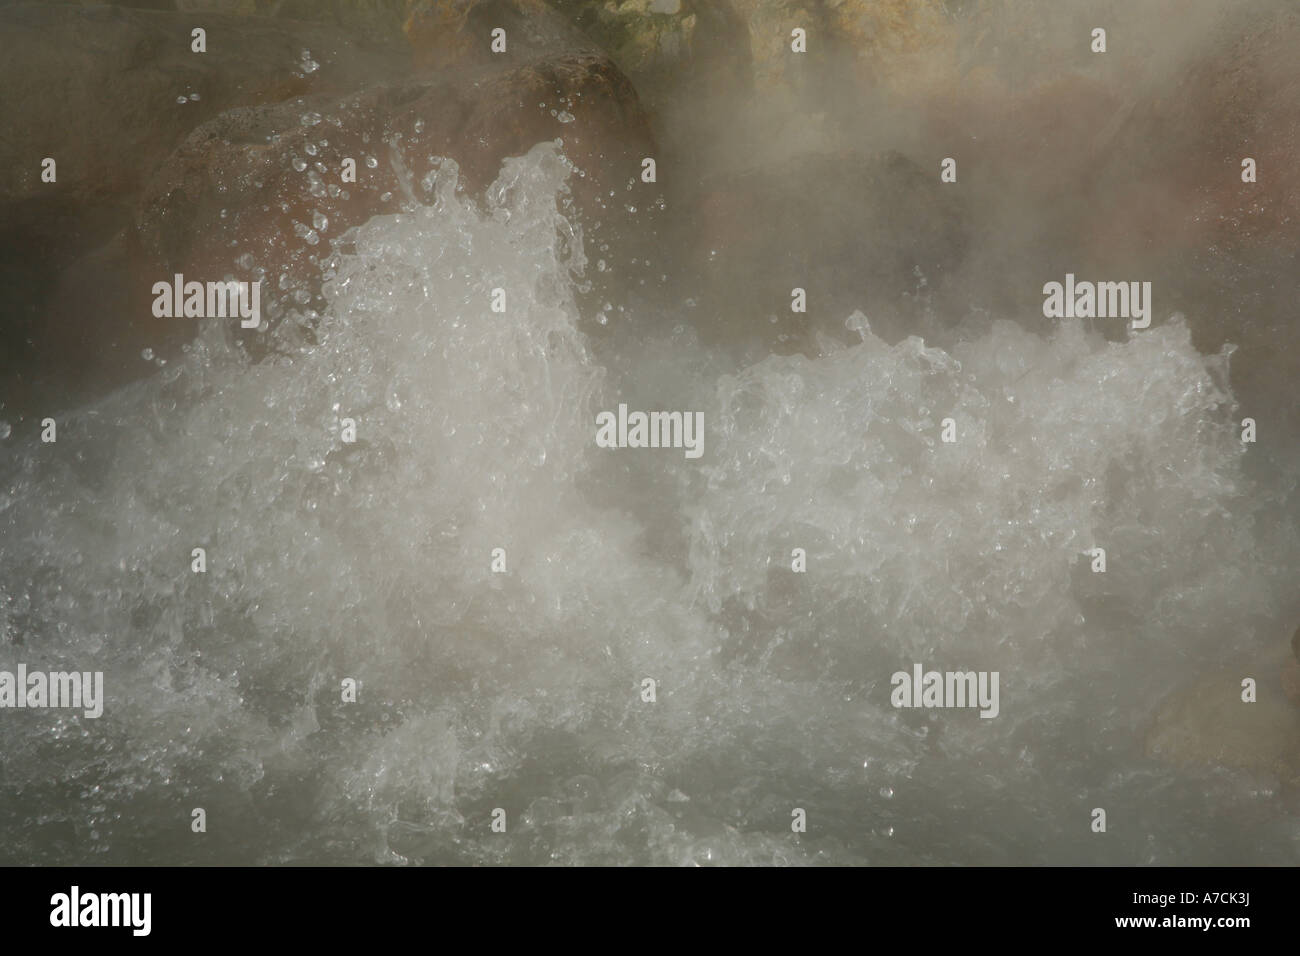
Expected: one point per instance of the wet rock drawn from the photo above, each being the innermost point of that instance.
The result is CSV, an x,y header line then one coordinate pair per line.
x,y
689,59
263,188
99,89
1208,724
460,33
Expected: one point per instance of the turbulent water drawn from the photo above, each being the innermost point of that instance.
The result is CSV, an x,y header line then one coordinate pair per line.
x,y
523,690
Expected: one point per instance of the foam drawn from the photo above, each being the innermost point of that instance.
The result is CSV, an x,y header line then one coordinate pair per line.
x,y
476,431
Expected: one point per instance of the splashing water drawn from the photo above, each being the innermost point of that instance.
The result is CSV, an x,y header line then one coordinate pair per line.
x,y
329,560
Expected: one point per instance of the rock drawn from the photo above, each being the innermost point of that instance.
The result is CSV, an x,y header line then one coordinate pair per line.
x,y
689,59
1207,723
148,186
98,90
263,188
459,33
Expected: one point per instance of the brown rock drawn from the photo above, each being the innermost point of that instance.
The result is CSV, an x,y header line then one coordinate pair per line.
x,y
97,88
249,187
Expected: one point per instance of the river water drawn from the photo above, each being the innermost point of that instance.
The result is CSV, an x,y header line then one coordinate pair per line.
x,y
523,690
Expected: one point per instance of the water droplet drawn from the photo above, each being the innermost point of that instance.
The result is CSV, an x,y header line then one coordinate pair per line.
x,y
5,430
299,163
181,100
147,355
565,117
319,221
372,162
310,149
887,792
194,97
310,118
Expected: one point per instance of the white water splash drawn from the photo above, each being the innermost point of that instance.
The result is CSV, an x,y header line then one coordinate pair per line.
x,y
522,690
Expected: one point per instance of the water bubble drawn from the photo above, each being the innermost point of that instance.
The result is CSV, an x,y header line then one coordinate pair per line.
x,y
194,97
419,126
147,355
182,100
299,163
887,792
565,117
319,221
310,118
304,232
310,149
5,430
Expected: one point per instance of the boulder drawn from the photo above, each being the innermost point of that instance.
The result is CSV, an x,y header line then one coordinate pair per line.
x,y
243,178
263,187
109,92
1207,724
